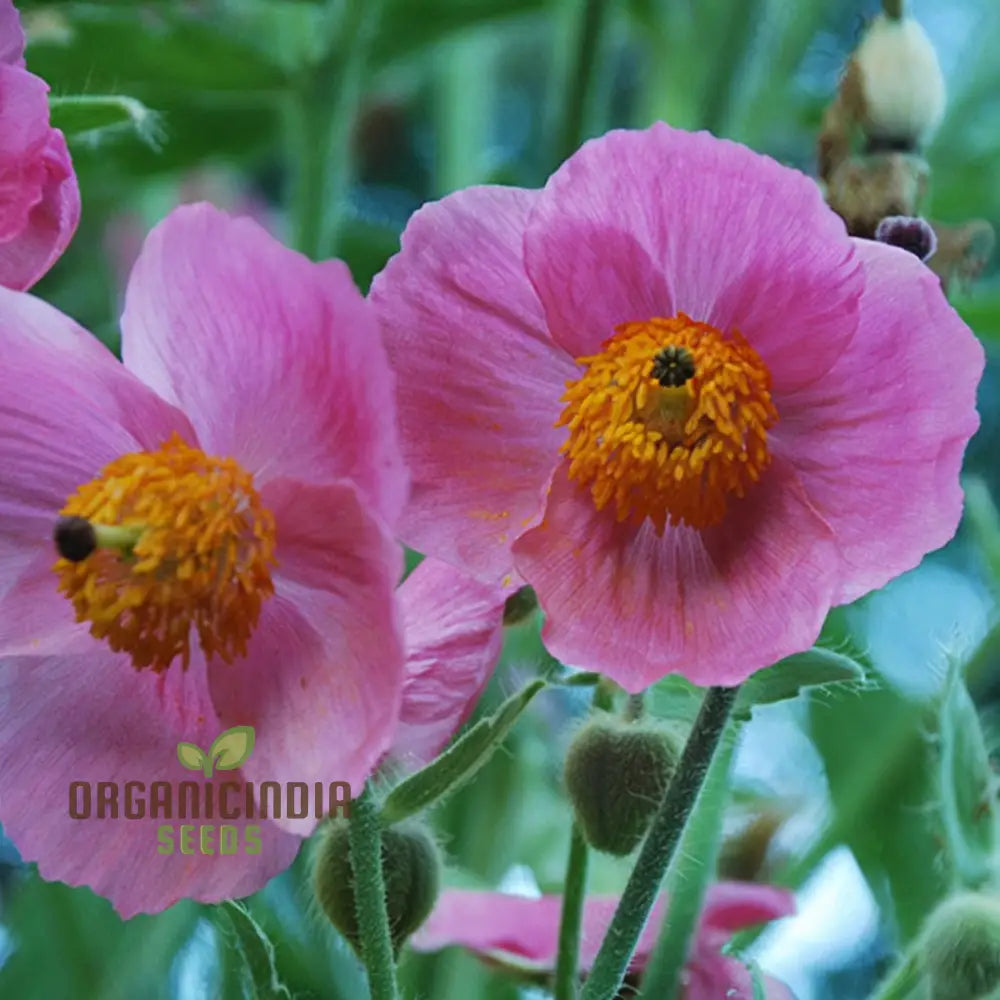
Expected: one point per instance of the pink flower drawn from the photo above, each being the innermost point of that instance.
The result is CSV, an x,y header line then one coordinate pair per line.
x,y
39,198
670,393
237,474
453,631
523,933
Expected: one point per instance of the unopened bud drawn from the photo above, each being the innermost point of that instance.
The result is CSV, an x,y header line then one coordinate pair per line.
x,y
961,948
411,870
908,233
616,775
900,88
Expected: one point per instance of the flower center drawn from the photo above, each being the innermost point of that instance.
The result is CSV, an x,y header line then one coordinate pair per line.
x,y
668,421
162,542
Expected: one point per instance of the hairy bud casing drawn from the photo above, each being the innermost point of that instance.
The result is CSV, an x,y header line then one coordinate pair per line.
x,y
961,948
616,775
411,869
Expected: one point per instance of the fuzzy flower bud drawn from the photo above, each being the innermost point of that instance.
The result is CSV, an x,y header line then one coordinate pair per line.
x,y
961,946
411,868
900,90
616,774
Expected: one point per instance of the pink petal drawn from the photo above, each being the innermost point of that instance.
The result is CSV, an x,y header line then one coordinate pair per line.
x,y
453,629
24,127
35,619
714,605
641,224
878,444
479,378
322,680
51,222
494,924
92,718
732,906
723,977
11,35
275,359
67,408
525,931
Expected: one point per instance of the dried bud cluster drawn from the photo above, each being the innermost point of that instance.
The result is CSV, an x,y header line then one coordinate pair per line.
x,y
897,85
890,101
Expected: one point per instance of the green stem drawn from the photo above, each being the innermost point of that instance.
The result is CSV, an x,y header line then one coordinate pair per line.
x,y
365,836
320,115
659,846
894,9
574,895
582,77
690,875
903,979
635,707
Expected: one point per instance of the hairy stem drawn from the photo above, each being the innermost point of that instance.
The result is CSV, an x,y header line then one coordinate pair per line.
x,y
659,846
365,836
574,895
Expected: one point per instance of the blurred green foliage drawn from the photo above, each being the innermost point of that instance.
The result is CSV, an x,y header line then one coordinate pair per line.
x,y
451,93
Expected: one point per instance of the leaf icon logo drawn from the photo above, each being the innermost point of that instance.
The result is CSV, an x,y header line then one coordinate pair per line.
x,y
229,750
193,757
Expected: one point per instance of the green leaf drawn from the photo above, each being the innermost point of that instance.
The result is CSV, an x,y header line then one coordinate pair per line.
x,y
191,756
967,803
757,980
815,667
584,678
878,750
92,117
99,954
232,748
675,698
257,950
459,762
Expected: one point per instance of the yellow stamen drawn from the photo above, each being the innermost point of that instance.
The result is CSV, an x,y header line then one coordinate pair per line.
x,y
183,542
669,421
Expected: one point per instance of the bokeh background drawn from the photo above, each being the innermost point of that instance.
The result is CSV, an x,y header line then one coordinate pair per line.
x,y
255,104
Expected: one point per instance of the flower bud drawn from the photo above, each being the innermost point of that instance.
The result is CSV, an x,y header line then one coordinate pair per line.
x,y
900,88
961,948
411,869
616,774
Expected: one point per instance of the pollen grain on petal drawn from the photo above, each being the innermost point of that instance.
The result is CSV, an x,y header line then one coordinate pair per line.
x,y
183,544
669,421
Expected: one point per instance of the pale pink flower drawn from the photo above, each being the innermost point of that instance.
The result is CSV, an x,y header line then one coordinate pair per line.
x,y
765,417
39,197
253,417
523,933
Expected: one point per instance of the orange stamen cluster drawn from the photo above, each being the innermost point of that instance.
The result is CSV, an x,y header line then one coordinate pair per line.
x,y
669,421
201,556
